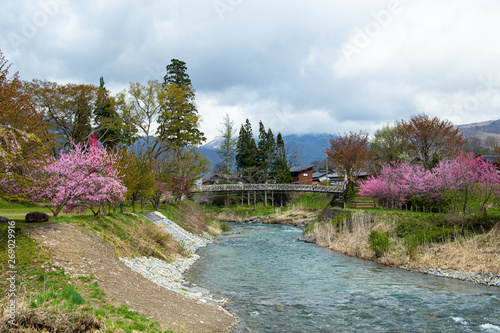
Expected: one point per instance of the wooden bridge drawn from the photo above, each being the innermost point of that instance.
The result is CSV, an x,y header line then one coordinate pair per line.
x,y
269,187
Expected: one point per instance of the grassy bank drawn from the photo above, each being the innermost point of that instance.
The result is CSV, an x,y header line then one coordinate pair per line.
x,y
48,298
415,240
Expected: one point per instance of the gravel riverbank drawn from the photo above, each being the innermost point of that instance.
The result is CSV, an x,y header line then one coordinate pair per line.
x,y
170,275
478,278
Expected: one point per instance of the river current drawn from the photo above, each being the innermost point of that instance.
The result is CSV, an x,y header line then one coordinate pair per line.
x,y
275,283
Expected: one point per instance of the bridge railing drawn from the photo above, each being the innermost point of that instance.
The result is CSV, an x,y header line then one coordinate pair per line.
x,y
269,187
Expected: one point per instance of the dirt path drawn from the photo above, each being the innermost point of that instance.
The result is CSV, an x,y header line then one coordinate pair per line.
x,y
81,252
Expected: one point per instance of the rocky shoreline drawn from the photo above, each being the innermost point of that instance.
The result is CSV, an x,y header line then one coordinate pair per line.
x,y
171,275
299,223
477,278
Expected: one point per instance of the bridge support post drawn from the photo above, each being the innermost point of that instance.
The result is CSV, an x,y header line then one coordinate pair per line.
x,y
265,197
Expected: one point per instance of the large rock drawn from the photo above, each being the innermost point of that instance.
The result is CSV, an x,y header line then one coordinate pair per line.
x,y
37,217
4,220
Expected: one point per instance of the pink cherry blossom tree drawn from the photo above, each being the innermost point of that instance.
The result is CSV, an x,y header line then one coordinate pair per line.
x,y
454,182
467,177
83,177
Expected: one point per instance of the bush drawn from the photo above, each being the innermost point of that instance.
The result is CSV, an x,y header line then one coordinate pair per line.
x,y
379,242
225,226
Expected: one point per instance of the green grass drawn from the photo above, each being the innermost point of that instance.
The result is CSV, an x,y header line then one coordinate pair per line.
x,y
53,300
379,242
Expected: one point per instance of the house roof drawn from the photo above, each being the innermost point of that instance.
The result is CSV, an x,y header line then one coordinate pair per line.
x,y
301,168
319,174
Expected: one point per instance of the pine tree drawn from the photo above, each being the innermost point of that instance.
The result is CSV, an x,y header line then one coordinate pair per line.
x,y
262,147
106,118
266,148
280,169
179,119
246,148
176,73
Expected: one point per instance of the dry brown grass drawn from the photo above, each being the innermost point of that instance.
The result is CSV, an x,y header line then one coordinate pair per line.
x,y
476,253
229,216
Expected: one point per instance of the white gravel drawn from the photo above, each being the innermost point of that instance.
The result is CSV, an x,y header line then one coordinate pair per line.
x,y
170,275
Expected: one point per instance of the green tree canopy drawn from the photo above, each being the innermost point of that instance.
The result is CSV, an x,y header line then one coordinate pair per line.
x,y
109,128
280,169
178,122
246,148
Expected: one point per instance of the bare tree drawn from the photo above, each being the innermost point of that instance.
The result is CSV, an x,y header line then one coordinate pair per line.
x,y
430,139
349,155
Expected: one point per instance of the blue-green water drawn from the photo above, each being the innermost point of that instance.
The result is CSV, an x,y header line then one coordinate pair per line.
x,y
277,284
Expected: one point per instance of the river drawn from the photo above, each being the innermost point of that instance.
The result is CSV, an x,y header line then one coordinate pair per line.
x,y
275,283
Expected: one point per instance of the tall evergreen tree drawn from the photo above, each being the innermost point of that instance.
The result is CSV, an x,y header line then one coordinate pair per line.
x,y
266,148
176,73
262,146
179,119
280,169
106,118
246,148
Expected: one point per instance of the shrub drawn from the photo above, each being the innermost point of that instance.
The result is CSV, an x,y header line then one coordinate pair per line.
x,y
225,226
379,242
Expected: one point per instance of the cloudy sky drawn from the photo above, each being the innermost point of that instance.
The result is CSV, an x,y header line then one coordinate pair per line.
x,y
312,66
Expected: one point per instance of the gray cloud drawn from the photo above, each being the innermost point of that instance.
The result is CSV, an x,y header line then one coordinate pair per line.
x,y
299,67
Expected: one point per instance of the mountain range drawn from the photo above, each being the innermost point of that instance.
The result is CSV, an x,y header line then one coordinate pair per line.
x,y
481,130
312,147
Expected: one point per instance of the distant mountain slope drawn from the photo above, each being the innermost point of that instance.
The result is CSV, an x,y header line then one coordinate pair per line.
x,y
483,129
311,147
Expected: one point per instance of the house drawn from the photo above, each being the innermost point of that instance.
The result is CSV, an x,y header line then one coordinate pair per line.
x,y
222,178
319,177
302,175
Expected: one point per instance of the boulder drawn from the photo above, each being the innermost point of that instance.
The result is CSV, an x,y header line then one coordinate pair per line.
x,y
37,217
4,220
308,239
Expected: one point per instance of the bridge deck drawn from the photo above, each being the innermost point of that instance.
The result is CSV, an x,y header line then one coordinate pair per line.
x,y
269,187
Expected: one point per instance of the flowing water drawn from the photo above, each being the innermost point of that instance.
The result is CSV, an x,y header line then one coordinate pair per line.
x,y
277,284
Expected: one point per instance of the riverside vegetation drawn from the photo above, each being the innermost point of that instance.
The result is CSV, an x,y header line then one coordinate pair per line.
x,y
50,298
431,243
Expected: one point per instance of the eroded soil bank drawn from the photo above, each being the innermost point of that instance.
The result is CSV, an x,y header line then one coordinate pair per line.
x,y
81,253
